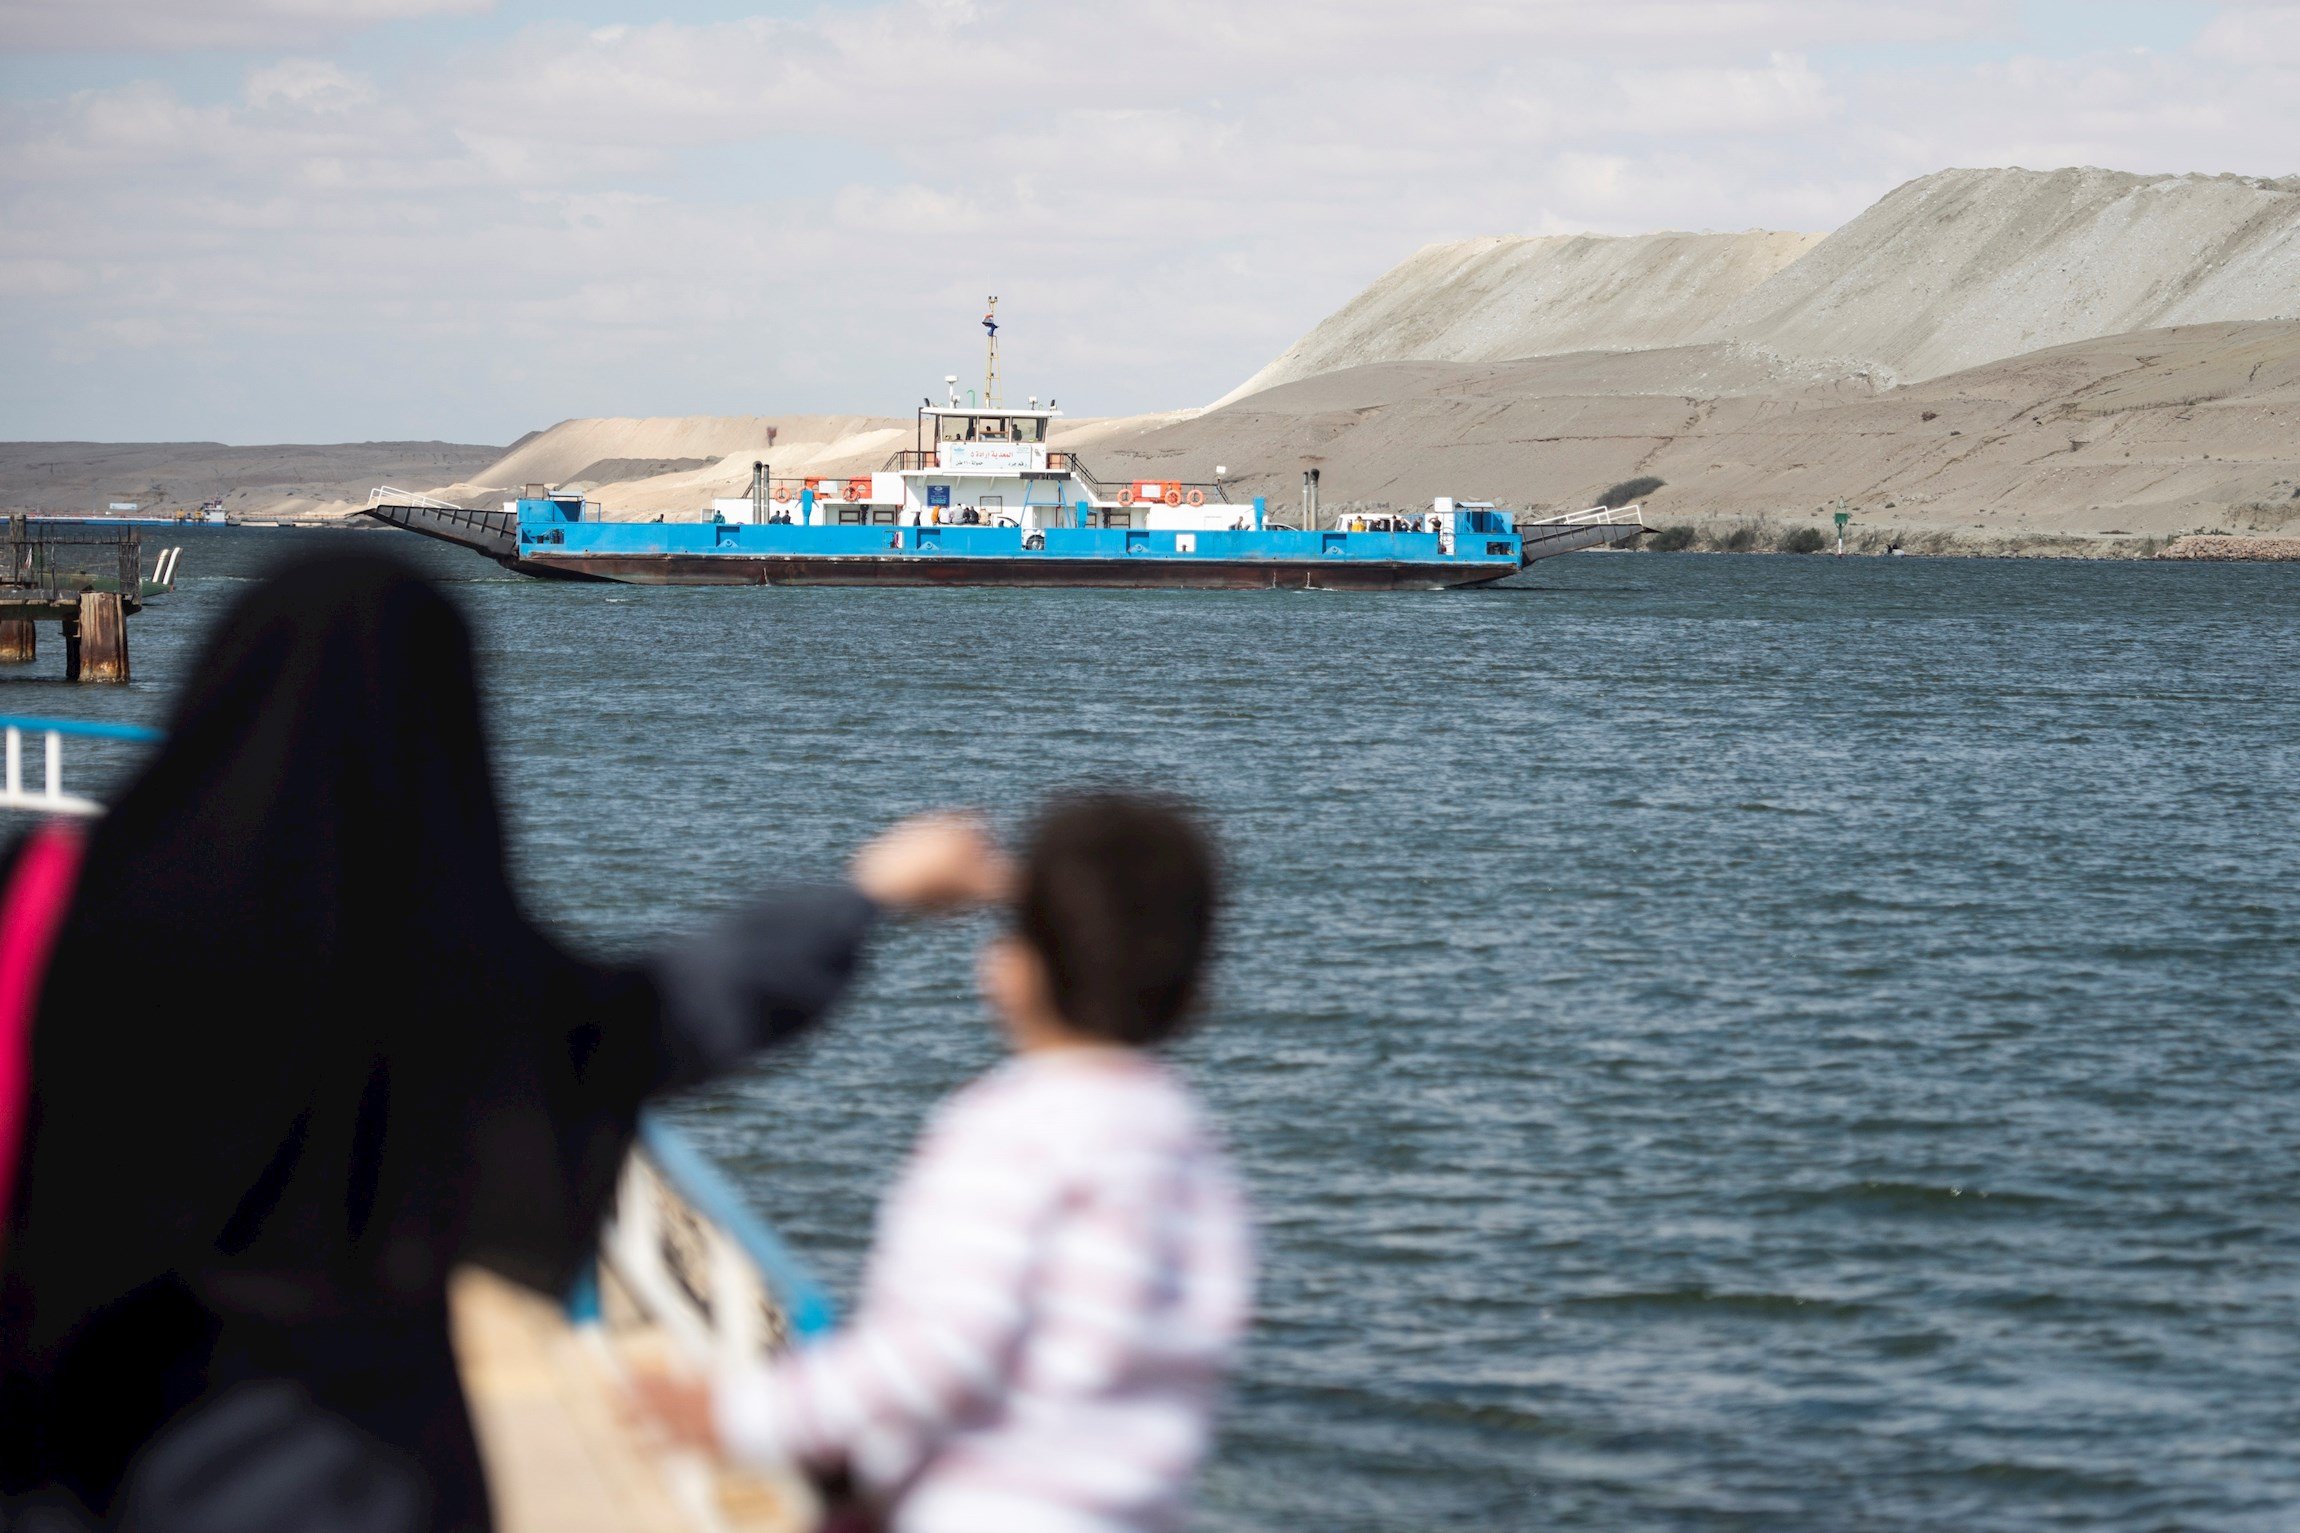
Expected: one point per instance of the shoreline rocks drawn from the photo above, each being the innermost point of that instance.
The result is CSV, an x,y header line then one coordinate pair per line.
x,y
2231,549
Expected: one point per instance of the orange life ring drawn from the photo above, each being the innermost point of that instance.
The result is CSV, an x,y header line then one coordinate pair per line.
x,y
1197,497
1173,495
858,489
1126,496
783,492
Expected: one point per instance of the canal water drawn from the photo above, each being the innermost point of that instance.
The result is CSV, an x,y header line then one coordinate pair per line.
x,y
1715,1042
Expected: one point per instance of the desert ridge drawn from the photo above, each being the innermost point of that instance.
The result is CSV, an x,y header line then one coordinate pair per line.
x,y
1497,298
1944,273
2103,446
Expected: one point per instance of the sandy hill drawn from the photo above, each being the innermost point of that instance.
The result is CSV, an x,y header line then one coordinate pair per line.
x,y
1969,266
1945,273
1488,299
2164,431
641,465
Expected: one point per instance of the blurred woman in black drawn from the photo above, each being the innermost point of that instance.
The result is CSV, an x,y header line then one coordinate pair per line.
x,y
298,1053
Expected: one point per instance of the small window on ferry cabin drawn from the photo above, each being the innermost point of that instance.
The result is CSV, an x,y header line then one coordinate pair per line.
x,y
885,516
850,516
1034,430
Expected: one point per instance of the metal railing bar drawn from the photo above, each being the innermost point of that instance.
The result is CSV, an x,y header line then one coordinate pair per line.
x,y
88,728
706,1187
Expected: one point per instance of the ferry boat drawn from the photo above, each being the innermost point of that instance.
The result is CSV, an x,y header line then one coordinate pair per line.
x,y
983,497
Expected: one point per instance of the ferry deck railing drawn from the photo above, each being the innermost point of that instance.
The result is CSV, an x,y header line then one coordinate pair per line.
x,y
388,495
52,799
707,1269
1059,460
1062,461
488,523
1595,516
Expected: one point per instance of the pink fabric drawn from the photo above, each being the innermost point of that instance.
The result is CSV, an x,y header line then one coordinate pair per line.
x,y
29,920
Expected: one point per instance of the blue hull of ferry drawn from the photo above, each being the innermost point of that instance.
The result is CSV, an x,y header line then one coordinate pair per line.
x,y
541,543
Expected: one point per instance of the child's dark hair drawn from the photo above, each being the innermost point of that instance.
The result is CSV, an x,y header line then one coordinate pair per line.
x,y
1118,897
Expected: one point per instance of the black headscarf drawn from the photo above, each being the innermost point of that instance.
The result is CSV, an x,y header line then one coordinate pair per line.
x,y
299,1052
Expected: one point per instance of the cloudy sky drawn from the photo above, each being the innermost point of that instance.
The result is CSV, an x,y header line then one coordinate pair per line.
x,y
316,220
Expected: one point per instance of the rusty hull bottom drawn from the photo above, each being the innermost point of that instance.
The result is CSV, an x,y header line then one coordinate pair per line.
x,y
1041,573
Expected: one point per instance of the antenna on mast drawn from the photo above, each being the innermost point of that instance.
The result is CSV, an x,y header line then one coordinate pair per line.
x,y
990,373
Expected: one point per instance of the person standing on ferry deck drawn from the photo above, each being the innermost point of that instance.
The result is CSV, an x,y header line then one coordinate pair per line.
x,y
298,1053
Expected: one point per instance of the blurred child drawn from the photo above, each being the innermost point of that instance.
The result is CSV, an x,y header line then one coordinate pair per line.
x,y
1061,1276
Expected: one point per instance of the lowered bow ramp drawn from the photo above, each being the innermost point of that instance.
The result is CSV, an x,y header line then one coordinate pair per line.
x,y
1605,527
493,533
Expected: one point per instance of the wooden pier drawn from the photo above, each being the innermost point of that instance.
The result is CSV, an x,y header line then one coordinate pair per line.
x,y
88,581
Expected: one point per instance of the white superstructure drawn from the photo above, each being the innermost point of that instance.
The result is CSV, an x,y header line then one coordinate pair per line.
x,y
986,465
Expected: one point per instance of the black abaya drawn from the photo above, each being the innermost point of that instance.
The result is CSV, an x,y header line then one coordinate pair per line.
x,y
299,1053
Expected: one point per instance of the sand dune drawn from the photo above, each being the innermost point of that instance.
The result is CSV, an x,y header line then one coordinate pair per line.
x,y
644,465
1970,266
2154,433
1947,272
1488,299
558,454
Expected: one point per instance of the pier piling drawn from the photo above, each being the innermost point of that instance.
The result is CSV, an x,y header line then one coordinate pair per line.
x,y
19,640
98,650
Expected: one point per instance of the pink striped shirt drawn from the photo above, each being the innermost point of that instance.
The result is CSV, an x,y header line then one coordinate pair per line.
x,y
1059,1280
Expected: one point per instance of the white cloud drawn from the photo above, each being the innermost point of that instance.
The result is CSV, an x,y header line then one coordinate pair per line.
x,y
191,25
311,85
2254,34
804,213
1786,94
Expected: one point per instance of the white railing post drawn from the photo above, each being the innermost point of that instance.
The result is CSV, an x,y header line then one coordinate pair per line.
x,y
736,1298
50,797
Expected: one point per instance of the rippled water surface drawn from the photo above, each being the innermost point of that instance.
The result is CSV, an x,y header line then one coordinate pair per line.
x,y
1752,1043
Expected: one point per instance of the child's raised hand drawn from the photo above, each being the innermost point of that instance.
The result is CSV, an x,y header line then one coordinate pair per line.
x,y
934,862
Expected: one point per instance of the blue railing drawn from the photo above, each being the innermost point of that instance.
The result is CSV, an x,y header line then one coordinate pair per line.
x,y
86,728
52,799
707,1190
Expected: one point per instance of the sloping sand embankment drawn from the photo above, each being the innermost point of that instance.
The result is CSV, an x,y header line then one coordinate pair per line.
x,y
701,457
1944,273
2158,433
1972,266
1485,300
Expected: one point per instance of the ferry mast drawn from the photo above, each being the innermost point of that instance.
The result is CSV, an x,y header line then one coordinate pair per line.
x,y
990,370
